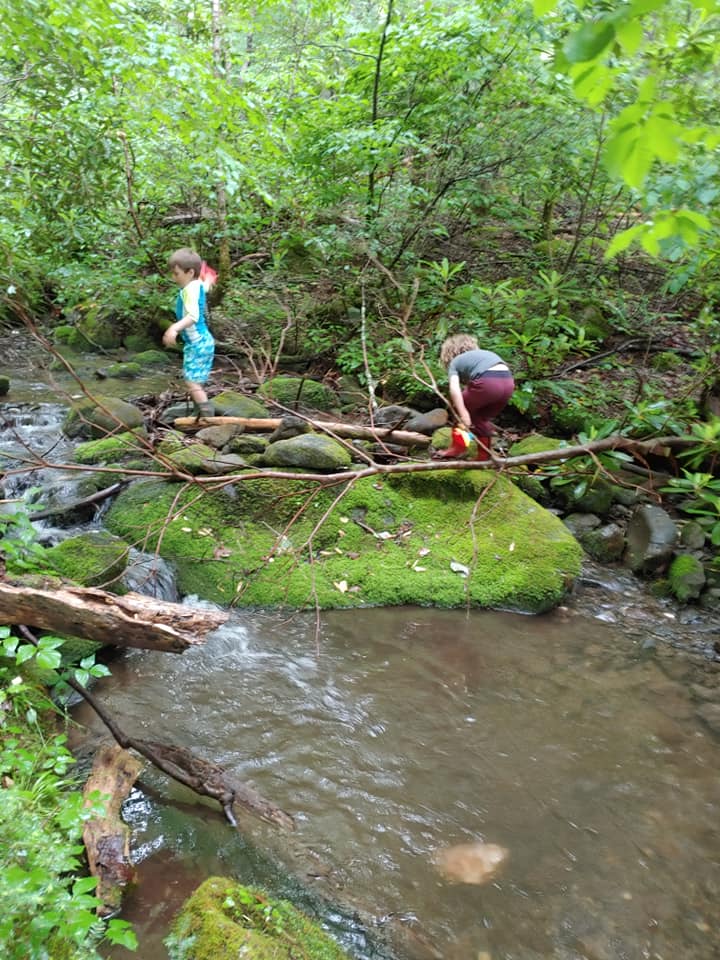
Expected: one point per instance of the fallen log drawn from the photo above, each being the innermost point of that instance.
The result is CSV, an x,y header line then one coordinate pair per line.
x,y
107,839
350,431
132,620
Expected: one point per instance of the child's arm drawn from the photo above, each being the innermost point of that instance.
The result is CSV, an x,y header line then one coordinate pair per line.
x,y
456,398
191,315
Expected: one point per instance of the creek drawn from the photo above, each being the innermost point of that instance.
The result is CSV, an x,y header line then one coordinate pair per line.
x,y
575,740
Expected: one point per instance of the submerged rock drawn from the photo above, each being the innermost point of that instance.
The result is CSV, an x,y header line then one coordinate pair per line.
x,y
651,539
470,862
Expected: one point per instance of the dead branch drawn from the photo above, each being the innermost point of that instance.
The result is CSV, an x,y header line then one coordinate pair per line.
x,y
132,620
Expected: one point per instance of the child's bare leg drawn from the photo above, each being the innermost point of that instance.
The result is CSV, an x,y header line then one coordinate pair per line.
x,y
196,392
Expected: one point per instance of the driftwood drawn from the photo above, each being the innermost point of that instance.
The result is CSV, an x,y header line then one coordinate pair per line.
x,y
353,431
133,620
107,839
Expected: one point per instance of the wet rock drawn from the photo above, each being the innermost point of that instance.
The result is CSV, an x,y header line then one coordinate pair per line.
x,y
710,599
151,358
579,523
470,862
246,444
606,544
393,414
686,577
651,539
123,371
597,498
428,422
4,386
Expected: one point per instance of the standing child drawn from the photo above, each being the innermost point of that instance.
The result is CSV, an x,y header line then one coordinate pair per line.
x,y
191,325
488,385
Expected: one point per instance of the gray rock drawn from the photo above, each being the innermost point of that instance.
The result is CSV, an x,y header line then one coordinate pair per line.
x,y
229,403
605,544
388,416
651,539
289,427
579,523
219,437
123,371
428,422
223,463
692,535
246,444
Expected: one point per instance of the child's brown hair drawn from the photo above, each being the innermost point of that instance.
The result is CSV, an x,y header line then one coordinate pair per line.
x,y
455,345
186,259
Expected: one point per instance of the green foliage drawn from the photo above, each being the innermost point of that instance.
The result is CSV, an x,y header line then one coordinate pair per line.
x,y
701,499
47,910
18,543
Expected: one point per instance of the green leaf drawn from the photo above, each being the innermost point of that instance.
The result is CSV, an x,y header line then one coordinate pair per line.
x,y
589,41
629,35
24,652
84,885
541,7
49,659
621,241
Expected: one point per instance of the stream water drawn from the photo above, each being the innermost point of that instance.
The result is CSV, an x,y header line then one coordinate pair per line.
x,y
574,740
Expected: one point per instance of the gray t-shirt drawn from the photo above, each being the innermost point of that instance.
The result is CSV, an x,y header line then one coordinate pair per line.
x,y
472,364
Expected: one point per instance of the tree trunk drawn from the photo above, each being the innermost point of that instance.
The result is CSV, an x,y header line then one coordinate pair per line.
x,y
106,838
129,621
355,431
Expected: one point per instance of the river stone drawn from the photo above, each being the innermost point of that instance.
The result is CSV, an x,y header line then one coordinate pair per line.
x,y
229,403
4,386
123,371
219,436
289,427
290,391
247,444
109,415
387,416
606,544
193,458
692,535
109,449
225,920
686,577
95,559
311,451
223,463
597,498
428,422
151,358
651,539
579,523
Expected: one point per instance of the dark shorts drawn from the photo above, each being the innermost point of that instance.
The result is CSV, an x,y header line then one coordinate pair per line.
x,y
485,397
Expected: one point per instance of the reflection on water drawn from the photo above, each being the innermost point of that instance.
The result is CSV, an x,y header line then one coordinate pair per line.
x,y
415,730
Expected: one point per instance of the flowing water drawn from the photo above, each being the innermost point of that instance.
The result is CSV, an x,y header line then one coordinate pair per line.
x,y
575,741
396,733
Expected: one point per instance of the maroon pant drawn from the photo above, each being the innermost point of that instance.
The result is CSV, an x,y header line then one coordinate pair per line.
x,y
485,397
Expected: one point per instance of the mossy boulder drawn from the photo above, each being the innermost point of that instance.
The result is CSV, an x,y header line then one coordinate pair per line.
x,y
67,336
108,449
92,559
225,920
686,577
4,386
123,371
534,443
141,343
192,458
309,451
443,538
229,403
151,358
292,391
100,330
100,417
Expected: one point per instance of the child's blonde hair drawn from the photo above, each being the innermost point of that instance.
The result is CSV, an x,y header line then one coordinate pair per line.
x,y
455,345
186,259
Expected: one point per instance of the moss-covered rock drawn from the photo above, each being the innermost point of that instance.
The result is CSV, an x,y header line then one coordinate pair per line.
x,y
91,559
100,329
151,358
192,458
686,577
68,336
309,451
229,403
140,343
224,920
100,417
4,386
442,538
290,391
109,449
534,443
123,371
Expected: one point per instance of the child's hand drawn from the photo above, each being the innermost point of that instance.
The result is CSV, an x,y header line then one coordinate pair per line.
x,y
170,337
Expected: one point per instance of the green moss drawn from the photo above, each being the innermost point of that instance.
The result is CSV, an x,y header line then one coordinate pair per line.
x,y
151,358
101,416
124,371
4,386
224,920
92,559
385,543
686,577
107,450
291,390
534,443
